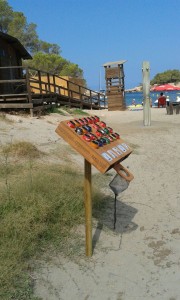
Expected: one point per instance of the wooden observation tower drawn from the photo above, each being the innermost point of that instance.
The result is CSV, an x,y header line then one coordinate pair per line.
x,y
114,76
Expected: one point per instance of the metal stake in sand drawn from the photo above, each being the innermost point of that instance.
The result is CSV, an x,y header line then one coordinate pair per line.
x,y
88,206
146,94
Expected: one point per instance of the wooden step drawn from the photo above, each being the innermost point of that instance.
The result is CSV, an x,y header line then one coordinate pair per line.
x,y
16,105
13,95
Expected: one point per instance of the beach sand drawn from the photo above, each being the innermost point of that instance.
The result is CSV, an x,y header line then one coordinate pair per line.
x,y
140,259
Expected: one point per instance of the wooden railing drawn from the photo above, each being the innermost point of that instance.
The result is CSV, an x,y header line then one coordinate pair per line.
x,y
12,80
30,81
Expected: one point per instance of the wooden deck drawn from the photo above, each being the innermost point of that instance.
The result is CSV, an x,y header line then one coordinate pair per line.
x,y
37,90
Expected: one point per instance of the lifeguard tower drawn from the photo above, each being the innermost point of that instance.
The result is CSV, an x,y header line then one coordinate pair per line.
x,y
114,76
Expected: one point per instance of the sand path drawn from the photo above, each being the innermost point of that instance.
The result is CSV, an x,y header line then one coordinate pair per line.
x,y
141,258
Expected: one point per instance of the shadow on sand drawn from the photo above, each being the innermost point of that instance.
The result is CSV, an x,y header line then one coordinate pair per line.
x,y
124,216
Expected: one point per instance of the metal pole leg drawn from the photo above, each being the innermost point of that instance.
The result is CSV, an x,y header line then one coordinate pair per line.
x,y
88,206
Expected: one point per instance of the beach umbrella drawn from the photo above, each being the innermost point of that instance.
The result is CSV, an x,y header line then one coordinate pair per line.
x,y
165,87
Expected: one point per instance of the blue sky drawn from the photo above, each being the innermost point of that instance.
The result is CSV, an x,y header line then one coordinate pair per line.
x,y
93,32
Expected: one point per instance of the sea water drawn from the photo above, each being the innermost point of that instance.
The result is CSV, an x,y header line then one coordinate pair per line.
x,y
138,97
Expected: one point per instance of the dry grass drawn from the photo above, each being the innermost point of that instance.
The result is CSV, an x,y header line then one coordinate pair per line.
x,y
66,110
39,205
5,119
34,213
21,149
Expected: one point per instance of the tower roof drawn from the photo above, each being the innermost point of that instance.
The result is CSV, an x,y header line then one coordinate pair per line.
x,y
119,62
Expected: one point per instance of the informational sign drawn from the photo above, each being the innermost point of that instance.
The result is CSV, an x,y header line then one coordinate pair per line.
x,y
98,143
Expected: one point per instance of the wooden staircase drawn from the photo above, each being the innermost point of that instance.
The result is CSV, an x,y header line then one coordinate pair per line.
x,y
43,90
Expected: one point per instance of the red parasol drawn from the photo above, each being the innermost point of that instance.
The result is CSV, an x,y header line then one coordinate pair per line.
x,y
165,87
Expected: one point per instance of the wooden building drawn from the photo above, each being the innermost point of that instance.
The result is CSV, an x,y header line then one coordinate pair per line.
x,y
11,54
114,76
23,88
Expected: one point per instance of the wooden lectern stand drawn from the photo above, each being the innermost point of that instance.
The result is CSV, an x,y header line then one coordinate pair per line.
x,y
104,157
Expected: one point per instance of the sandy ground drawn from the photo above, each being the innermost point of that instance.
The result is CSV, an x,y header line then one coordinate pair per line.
x,y
140,259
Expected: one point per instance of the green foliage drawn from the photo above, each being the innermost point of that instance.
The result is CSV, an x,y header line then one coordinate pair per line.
x,y
55,110
54,63
46,47
25,33
168,76
6,14
77,111
72,69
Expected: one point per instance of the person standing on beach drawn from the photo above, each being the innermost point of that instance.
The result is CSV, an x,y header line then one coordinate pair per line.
x,y
167,101
162,100
134,102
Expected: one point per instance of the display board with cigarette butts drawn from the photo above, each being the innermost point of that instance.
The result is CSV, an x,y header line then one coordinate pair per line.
x,y
98,143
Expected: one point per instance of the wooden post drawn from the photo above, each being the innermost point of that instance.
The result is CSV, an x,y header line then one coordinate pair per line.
x,y
40,82
49,83
54,83
146,94
91,98
69,93
81,99
29,91
88,206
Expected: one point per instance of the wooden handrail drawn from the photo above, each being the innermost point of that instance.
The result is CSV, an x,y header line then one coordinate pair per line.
x,y
73,90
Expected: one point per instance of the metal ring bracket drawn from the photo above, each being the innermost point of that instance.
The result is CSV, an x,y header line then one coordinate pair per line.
x,y
123,172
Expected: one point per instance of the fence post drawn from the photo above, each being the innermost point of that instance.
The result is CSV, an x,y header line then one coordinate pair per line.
x,y
54,83
40,83
146,94
29,90
69,93
49,83
81,98
91,98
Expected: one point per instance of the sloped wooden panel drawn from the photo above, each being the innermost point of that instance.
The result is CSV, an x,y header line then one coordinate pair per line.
x,y
103,158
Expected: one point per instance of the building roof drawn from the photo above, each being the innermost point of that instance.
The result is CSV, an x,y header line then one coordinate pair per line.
x,y
15,43
119,62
